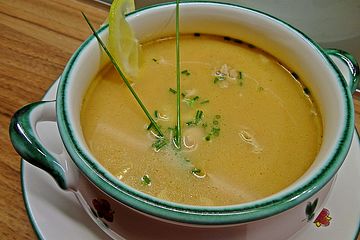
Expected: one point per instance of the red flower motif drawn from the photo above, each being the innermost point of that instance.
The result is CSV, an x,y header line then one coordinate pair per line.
x,y
323,219
103,209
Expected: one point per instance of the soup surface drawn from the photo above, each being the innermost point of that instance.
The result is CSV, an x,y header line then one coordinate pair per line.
x,y
250,128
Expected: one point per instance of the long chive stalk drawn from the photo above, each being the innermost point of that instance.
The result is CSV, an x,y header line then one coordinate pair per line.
x,y
127,83
178,90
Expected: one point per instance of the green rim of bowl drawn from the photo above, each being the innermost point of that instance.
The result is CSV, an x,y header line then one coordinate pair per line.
x,y
38,228
200,214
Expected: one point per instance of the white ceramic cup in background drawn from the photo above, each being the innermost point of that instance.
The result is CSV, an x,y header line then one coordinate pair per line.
x,y
124,212
332,23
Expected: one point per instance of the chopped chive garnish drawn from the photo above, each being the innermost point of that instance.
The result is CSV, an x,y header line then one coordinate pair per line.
x,y
127,83
195,170
205,101
240,78
183,94
197,119
159,143
214,132
221,78
191,101
150,126
156,113
189,123
146,180
172,90
185,72
218,78
215,129
198,116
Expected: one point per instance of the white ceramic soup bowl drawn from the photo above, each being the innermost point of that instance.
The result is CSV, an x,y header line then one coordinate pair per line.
x,y
124,212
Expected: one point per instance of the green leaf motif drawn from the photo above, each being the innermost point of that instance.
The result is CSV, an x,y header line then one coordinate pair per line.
x,y
310,209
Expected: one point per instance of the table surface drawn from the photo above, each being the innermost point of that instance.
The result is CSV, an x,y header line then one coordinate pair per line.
x,y
37,37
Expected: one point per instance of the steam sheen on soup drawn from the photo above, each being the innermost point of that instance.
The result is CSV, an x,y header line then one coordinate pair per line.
x,y
250,128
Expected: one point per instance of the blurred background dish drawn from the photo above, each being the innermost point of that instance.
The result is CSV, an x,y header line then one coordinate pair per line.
x,y
332,23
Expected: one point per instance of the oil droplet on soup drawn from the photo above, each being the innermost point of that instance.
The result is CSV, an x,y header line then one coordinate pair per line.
x,y
249,128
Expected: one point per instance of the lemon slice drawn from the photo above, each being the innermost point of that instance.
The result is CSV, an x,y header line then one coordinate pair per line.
x,y
122,42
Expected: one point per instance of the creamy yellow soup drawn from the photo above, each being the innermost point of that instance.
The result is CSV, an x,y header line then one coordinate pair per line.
x,y
249,126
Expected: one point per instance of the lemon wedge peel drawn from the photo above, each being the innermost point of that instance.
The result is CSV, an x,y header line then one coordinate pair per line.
x,y
153,123
122,42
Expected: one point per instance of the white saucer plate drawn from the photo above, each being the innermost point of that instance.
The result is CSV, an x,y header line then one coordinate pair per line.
x,y
56,214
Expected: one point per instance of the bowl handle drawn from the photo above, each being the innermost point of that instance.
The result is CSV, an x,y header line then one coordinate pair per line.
x,y
347,65
27,143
